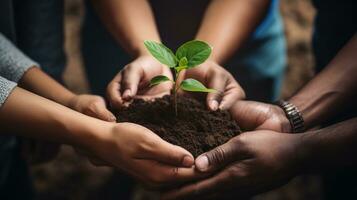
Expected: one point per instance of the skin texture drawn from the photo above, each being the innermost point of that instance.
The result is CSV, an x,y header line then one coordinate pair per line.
x,y
38,82
214,76
132,22
125,146
333,92
258,161
222,34
333,88
133,81
253,115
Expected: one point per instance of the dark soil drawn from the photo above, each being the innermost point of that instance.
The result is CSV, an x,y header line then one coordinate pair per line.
x,y
195,128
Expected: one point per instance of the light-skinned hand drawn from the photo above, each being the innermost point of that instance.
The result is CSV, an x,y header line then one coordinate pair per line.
x,y
214,76
134,80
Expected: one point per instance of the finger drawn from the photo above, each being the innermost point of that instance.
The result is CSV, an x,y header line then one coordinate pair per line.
x,y
167,153
199,190
220,156
233,92
249,114
114,93
161,174
131,79
101,112
213,98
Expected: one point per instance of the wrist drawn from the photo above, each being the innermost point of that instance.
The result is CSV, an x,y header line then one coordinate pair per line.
x,y
71,101
91,135
307,107
294,116
284,122
304,152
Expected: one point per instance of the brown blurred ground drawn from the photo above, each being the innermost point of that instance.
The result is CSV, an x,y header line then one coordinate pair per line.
x,y
70,176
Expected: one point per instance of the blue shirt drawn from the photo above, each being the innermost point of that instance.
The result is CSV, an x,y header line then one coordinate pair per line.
x,y
268,20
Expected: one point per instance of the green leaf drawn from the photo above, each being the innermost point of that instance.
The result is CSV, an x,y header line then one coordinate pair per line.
x,y
195,51
183,62
158,79
161,53
180,68
193,85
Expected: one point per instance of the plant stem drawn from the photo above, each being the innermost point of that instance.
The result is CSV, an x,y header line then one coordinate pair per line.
x,y
175,90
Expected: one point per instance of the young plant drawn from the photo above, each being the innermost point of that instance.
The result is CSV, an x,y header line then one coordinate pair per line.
x,y
187,56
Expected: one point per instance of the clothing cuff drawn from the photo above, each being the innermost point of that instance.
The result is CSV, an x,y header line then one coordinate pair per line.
x,y
13,63
6,87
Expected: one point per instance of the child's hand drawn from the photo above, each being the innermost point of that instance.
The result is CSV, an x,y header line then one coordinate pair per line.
x,y
141,153
212,75
91,105
134,80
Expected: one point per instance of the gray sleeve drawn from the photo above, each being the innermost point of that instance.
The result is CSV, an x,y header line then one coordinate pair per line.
x,y
6,88
13,63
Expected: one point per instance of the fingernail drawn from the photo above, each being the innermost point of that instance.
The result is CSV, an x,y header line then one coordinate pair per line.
x,y
222,107
214,105
187,161
127,94
113,118
202,163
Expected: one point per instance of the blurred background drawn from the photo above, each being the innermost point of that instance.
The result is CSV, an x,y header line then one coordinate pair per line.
x,y
70,176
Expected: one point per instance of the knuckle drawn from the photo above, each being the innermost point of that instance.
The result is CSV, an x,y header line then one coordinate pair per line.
x,y
156,179
217,155
172,173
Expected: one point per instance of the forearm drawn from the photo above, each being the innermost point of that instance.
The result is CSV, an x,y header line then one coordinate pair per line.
x,y
36,81
332,90
329,148
227,24
130,22
30,115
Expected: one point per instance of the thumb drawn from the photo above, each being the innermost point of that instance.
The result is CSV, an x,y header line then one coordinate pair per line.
x,y
218,157
170,154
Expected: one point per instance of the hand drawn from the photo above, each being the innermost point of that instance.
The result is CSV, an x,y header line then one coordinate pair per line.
x,y
141,153
91,105
256,162
134,81
251,115
216,77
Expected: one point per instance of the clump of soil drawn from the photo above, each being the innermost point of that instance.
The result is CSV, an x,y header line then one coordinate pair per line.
x,y
195,128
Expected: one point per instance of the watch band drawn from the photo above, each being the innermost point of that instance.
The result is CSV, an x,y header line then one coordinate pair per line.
x,y
294,116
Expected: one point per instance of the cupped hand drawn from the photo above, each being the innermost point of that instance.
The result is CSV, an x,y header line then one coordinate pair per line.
x,y
134,80
253,162
212,75
91,105
251,115
141,153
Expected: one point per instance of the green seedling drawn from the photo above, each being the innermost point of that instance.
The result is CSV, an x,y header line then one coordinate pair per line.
x,y
187,56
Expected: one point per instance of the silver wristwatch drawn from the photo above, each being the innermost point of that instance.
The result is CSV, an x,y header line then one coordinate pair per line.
x,y
294,116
